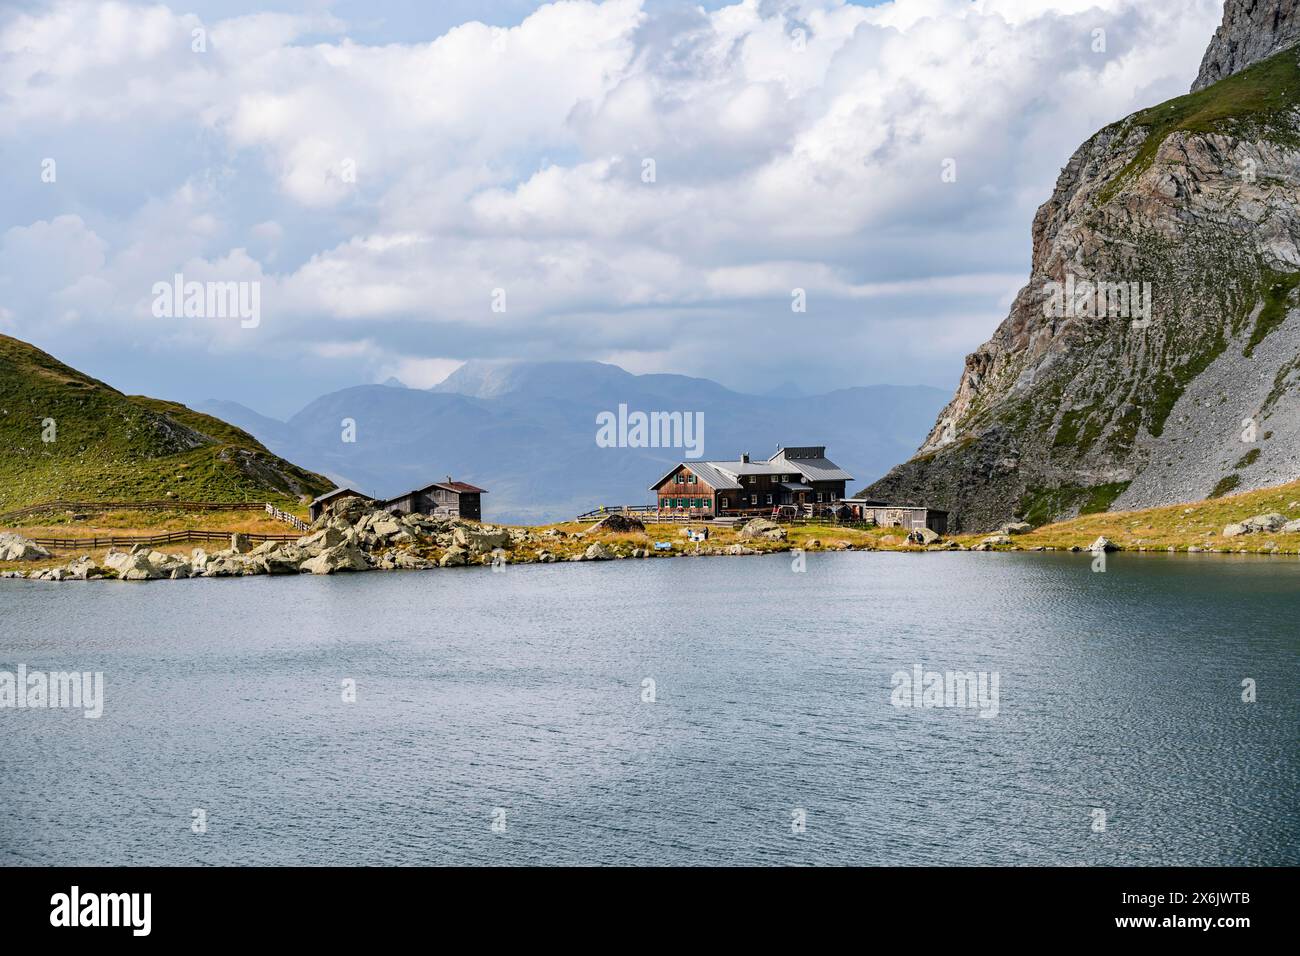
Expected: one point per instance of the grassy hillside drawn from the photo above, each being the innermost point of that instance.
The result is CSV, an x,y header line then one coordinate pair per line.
x,y
1193,524
110,446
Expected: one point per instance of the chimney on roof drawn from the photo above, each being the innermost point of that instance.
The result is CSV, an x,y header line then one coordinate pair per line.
x,y
744,459
449,479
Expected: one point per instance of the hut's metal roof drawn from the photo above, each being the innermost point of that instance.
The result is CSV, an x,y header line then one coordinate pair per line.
x,y
814,468
725,475
708,470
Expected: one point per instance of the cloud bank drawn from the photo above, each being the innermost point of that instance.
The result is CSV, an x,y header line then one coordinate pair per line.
x,y
618,180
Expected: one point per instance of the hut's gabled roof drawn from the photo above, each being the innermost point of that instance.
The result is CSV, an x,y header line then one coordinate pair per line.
x,y
713,476
336,493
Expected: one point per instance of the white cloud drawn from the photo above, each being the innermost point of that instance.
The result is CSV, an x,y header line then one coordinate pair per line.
x,y
419,372
380,190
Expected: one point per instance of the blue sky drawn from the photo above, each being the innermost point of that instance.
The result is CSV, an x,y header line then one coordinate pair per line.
x,y
381,170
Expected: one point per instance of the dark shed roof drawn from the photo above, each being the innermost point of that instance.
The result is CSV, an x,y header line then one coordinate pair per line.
x,y
336,493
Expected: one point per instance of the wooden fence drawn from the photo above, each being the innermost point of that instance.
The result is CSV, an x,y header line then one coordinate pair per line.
x,y
132,506
732,516
292,520
154,540
604,510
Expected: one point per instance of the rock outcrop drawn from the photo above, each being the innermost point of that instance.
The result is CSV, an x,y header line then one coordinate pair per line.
x,y
617,523
343,557
1252,30
1265,522
763,528
1153,355
14,547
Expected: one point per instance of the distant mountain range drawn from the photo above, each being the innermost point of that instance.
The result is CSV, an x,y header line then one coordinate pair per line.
x,y
526,431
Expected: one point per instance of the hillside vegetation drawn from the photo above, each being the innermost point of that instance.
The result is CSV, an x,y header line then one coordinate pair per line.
x,y
105,445
1197,524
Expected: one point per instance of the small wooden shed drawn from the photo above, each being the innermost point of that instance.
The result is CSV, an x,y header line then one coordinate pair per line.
x,y
448,497
885,515
318,506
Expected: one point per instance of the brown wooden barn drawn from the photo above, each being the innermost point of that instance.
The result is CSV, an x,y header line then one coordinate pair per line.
x,y
455,498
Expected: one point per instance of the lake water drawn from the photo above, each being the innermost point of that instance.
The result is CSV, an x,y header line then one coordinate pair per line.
x,y
517,698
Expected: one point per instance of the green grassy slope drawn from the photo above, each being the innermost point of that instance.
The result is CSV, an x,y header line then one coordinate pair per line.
x,y
110,446
1258,100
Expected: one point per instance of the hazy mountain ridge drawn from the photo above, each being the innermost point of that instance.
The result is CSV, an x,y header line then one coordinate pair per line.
x,y
526,431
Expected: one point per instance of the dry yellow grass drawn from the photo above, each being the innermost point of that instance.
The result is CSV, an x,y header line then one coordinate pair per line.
x,y
255,520
1183,526
137,524
1197,524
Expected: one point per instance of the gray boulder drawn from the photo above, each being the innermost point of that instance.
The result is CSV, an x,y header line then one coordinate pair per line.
x,y
14,547
618,524
454,557
1103,544
83,569
385,526
225,564
412,562
282,559
598,552
481,540
924,536
1017,527
763,528
343,557
133,565
322,540
1271,521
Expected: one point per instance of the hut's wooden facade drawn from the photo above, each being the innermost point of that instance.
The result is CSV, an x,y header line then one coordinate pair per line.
x,y
802,478
448,497
886,515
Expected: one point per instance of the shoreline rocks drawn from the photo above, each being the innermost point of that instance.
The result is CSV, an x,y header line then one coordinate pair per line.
x,y
1272,521
363,538
14,547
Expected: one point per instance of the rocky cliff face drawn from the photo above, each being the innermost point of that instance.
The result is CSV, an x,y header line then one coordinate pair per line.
x,y
1252,30
1154,355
